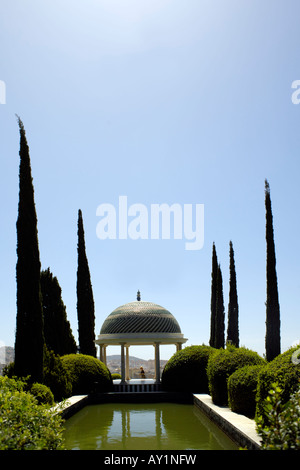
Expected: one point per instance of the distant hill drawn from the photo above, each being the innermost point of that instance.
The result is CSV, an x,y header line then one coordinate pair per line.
x,y
7,355
133,361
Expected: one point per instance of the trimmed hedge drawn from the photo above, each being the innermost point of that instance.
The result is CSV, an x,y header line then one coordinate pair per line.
x,y
242,385
42,393
186,370
115,376
284,373
221,364
86,373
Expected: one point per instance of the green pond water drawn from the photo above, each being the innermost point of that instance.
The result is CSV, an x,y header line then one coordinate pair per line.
x,y
159,426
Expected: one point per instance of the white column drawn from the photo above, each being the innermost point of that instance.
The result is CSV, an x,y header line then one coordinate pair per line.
x,y
104,354
101,352
123,363
178,347
157,363
127,364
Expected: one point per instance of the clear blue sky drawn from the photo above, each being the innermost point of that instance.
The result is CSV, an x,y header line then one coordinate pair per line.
x,y
163,101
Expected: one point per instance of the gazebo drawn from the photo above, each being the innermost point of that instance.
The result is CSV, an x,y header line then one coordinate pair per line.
x,y
139,323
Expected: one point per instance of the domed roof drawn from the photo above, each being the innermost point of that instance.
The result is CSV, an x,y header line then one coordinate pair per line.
x,y
140,317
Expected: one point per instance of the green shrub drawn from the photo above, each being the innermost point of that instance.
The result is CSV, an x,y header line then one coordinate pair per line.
x,y
186,370
281,371
242,385
283,430
42,393
221,364
115,376
11,384
85,372
24,424
56,376
9,370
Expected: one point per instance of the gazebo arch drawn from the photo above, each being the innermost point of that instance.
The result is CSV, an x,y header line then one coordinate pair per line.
x,y
139,323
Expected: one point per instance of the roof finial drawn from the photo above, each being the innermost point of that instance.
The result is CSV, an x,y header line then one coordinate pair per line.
x,y
138,297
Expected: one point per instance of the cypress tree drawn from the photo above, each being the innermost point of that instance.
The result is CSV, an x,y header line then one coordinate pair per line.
x,y
272,303
57,330
220,313
85,300
29,339
213,302
233,308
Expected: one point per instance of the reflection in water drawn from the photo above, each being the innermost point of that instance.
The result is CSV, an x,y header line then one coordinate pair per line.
x,y
126,426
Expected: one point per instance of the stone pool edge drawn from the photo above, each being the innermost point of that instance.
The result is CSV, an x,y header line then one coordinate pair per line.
x,y
71,405
239,428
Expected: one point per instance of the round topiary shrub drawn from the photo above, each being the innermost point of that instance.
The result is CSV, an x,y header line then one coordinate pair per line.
x,y
221,364
42,393
115,376
86,373
284,370
186,370
242,386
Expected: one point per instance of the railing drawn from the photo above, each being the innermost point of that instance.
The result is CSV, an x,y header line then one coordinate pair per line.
x,y
137,388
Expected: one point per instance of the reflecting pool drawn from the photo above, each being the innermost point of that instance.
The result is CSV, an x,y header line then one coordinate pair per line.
x,y
143,426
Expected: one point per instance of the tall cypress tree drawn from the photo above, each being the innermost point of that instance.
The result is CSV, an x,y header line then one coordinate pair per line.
x,y
220,313
57,330
233,308
213,301
29,340
272,303
85,300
